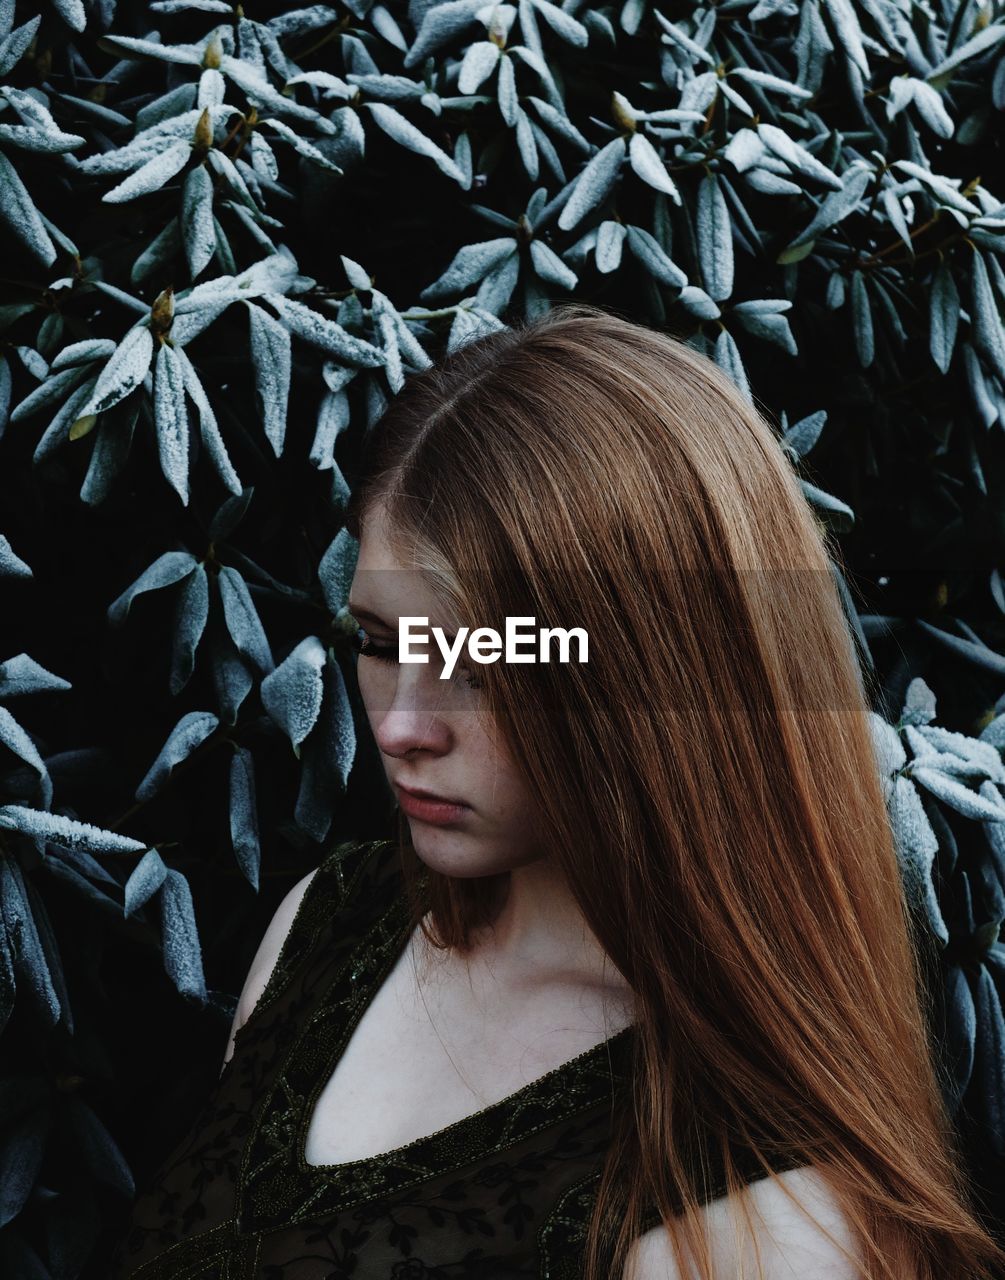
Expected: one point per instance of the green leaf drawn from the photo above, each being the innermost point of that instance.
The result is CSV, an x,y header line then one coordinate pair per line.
x,y
197,225
943,316
190,732
715,239
171,420
861,313
594,182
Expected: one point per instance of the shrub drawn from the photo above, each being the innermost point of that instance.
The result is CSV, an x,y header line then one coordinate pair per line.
x,y
228,241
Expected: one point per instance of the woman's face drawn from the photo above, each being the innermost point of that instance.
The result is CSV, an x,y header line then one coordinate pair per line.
x,y
433,734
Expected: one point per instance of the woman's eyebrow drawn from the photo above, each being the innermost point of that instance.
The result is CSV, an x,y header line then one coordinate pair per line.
x,y
361,613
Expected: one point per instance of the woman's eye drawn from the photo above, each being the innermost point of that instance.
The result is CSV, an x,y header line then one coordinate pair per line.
x,y
366,648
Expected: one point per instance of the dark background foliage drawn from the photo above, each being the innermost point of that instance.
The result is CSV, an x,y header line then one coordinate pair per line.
x,y
318,202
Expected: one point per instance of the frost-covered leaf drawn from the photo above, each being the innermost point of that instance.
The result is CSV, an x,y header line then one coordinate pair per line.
x,y
244,834
171,567
327,756
767,81
396,126
232,680
562,23
30,963
292,693
272,365
943,316
68,832
180,937
956,795
11,564
336,569
124,371
333,418
983,759
314,328
17,209
82,352
16,43
861,312
715,239
191,613
917,846
480,60
609,245
796,156
152,175
242,619
651,254
171,420
301,145
763,317
53,389
441,23
190,732
919,703
941,187
727,357
647,163
680,38
560,123
471,263
594,182
887,746
197,220
989,332
16,740
144,881
985,39
836,206
550,267
21,675
208,428
331,85
259,92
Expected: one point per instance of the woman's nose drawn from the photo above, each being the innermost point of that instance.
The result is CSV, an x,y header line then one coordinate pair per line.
x,y
414,718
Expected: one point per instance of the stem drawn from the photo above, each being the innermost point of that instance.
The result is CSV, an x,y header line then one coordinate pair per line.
x,y
881,253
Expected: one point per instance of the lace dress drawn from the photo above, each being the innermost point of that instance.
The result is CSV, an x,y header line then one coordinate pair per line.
x,y
505,1192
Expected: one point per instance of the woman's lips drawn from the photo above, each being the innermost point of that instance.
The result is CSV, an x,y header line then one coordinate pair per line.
x,y
428,807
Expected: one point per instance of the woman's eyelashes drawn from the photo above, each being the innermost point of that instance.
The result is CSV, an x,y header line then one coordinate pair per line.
x,y
367,648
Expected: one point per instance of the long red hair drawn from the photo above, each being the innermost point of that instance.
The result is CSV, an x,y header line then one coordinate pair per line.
x,y
707,781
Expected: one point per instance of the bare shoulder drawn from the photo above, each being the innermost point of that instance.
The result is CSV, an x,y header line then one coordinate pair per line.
x,y
265,957
792,1220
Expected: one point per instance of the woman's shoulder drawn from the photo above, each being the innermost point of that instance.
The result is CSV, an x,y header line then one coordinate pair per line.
x,y
346,870
796,1227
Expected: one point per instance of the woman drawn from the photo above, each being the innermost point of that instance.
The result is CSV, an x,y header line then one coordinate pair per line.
x,y
635,990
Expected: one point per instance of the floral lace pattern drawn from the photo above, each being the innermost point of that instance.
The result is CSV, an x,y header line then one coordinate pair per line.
x,y
505,1192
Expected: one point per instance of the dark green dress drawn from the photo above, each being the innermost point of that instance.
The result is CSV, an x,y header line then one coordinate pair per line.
x,y
505,1192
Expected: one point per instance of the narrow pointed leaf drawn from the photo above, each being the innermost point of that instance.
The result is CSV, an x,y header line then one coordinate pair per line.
x,y
242,619
292,693
190,622
190,732
171,420
244,834
180,937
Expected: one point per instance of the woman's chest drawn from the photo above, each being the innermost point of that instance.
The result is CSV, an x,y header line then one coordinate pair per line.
x,y
434,1047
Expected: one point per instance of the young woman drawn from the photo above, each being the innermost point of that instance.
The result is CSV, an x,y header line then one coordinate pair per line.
x,y
634,992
